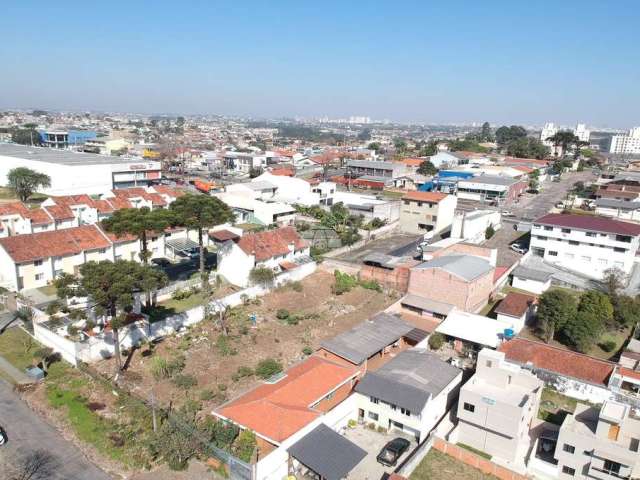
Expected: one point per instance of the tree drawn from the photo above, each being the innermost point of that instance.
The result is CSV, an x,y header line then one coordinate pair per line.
x,y
582,330
526,147
43,355
364,135
614,281
139,222
375,146
489,232
506,134
26,136
111,287
597,304
485,133
35,465
429,149
25,314
556,308
201,212
262,276
427,168
25,182
563,139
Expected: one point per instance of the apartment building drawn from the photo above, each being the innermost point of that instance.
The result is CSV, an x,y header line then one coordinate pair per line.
x,y
600,443
628,144
427,212
496,407
585,244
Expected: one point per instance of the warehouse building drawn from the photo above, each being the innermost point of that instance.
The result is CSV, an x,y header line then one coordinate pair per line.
x,y
74,173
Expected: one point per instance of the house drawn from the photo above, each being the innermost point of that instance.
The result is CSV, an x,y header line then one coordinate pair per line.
x,y
281,250
427,212
369,206
243,163
251,210
458,280
292,190
516,308
444,159
370,168
491,188
472,226
371,343
599,442
586,244
496,407
283,410
622,209
531,279
411,181
410,393
476,331
258,190
571,373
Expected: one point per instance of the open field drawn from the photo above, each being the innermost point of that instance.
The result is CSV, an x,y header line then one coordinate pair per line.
x,y
440,466
211,368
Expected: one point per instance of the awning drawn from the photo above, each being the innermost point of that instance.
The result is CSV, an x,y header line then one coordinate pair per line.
x,y
286,265
223,235
327,453
183,245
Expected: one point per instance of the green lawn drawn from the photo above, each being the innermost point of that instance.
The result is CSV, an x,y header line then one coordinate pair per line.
x,y
48,290
172,306
17,347
440,466
555,406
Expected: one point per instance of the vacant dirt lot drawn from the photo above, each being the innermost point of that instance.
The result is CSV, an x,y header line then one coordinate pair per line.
x,y
214,360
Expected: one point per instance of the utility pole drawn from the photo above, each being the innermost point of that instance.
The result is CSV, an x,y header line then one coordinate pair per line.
x,y
153,411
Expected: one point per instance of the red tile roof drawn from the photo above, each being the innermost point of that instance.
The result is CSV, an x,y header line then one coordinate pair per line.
x,y
38,216
13,208
169,191
412,162
435,197
627,372
55,243
590,222
223,235
515,304
554,359
60,212
282,172
134,192
277,411
271,243
498,273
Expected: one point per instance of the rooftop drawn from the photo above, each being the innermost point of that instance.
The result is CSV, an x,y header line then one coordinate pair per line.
x,y
467,267
473,328
64,157
367,338
492,180
409,380
434,197
515,304
590,222
271,243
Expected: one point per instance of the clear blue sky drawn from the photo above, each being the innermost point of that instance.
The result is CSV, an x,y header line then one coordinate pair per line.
x,y
428,61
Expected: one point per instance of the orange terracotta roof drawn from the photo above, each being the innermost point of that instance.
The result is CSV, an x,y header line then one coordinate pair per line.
x,y
60,212
268,244
627,372
498,272
282,172
412,162
524,169
425,196
55,243
103,206
169,191
39,216
13,208
515,304
558,360
223,235
277,411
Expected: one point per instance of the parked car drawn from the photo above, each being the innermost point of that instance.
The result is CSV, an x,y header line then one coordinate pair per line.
x,y
161,262
392,451
518,248
507,213
3,437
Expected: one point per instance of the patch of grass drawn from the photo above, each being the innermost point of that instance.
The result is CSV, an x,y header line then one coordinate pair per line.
x,y
440,466
17,347
183,305
48,290
554,406
475,450
609,344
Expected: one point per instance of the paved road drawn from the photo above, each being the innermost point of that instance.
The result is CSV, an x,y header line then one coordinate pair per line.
x,y
28,432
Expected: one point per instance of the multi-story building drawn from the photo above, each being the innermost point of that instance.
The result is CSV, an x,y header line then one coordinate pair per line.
x,y
65,138
491,188
549,130
357,168
496,407
427,212
585,244
626,144
582,132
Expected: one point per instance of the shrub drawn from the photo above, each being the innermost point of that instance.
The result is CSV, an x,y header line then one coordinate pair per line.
x,y
225,349
293,320
244,445
436,340
53,308
268,367
72,330
207,394
243,372
222,387
371,426
297,286
343,282
262,275
307,350
608,345
163,368
381,429
182,294
282,314
371,285
185,381
352,423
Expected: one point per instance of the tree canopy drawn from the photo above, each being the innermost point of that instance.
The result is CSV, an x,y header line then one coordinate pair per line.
x,y
526,147
555,310
506,134
25,182
26,136
427,168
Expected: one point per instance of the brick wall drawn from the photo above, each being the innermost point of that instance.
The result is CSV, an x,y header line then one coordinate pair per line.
x,y
396,279
476,461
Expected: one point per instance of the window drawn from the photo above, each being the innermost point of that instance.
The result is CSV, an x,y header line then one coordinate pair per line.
x,y
405,412
568,470
552,253
591,234
614,430
634,444
573,242
393,407
39,276
37,263
538,237
623,238
619,250
568,448
548,229
566,230
602,261
611,467
373,416
469,407
374,400
489,364
585,258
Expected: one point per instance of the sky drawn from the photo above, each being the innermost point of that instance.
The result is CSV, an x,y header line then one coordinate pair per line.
x,y
515,61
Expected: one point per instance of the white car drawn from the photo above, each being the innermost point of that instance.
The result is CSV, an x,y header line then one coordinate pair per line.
x,y
3,437
516,247
507,213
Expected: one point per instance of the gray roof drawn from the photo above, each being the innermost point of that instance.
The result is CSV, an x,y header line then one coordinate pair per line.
x,y
62,157
367,338
531,274
327,453
410,380
427,304
374,164
467,267
613,203
492,180
261,185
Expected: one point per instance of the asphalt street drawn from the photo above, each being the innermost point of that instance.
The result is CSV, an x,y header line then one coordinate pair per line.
x,y
27,432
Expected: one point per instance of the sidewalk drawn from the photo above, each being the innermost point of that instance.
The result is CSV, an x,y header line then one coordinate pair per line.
x,y
16,376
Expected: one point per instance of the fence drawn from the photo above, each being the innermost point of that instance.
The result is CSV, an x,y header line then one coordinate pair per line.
x,y
368,236
417,455
476,461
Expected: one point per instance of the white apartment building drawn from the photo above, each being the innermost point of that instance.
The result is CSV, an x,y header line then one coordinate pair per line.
x,y
242,163
582,132
586,244
549,130
427,212
626,144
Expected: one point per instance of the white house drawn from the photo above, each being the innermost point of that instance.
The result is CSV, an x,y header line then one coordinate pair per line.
x,y
531,279
586,244
516,308
410,393
291,190
281,250
251,210
472,226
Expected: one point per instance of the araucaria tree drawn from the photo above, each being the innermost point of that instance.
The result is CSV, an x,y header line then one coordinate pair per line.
x,y
555,310
111,287
200,212
25,182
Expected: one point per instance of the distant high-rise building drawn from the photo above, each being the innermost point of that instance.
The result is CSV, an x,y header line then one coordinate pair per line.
x,y
626,144
581,132
549,130
360,119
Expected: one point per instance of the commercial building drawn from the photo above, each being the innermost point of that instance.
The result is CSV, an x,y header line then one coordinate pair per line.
x,y
65,138
585,244
427,212
74,173
370,168
496,407
490,188
549,130
410,393
626,144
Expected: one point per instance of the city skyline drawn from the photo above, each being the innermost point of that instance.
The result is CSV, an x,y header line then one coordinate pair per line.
x,y
408,62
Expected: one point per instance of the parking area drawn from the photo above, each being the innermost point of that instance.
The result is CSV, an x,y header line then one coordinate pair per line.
x,y
372,442
503,239
399,244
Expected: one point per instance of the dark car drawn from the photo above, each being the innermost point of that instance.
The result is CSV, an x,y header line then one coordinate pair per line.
x,y
3,437
392,451
161,262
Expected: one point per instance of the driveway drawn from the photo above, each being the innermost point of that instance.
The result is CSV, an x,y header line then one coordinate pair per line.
x,y
28,432
502,240
397,245
372,442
